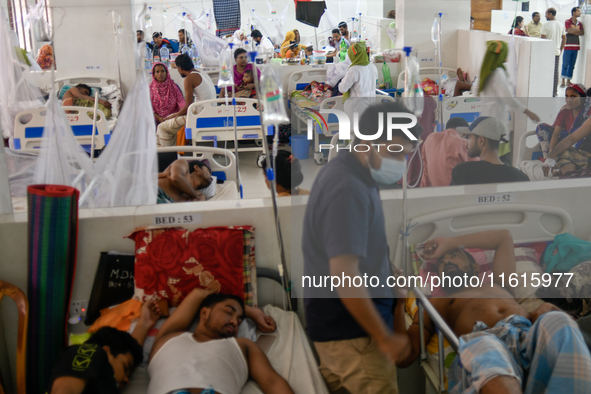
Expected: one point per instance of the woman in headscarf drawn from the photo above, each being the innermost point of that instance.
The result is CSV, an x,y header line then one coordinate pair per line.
x,y
239,39
166,96
360,80
494,87
573,152
45,57
289,37
568,120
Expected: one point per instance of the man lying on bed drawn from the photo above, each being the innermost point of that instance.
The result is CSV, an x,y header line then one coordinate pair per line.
x,y
211,357
502,347
79,96
185,181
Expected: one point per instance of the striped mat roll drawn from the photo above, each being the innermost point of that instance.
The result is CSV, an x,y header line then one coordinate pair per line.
x,y
53,238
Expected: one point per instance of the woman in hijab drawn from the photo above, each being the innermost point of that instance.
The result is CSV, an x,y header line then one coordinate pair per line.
x,y
289,37
45,57
166,96
494,86
568,120
360,80
239,39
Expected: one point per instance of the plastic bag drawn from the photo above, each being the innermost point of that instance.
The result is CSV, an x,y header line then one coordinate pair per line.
x,y
271,94
226,78
209,46
16,93
414,100
435,32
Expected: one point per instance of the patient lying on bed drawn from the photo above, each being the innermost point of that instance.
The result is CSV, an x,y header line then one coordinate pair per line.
x,y
212,356
502,347
185,181
79,96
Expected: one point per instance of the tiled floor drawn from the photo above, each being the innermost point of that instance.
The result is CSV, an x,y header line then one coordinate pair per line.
x,y
253,180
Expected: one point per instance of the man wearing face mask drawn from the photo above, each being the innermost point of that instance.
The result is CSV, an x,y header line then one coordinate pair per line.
x,y
344,235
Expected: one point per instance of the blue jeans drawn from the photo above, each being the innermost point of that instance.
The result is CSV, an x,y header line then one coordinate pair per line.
x,y
568,63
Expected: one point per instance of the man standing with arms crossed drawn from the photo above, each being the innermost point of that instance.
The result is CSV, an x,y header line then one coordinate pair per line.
x,y
554,30
574,29
344,235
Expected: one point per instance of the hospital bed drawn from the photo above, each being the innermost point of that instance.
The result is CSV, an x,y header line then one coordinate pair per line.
x,y
109,90
28,125
28,128
222,163
466,107
290,353
212,121
527,224
306,110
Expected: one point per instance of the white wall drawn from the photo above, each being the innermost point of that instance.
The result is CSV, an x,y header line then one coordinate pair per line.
x,y
501,23
84,37
415,19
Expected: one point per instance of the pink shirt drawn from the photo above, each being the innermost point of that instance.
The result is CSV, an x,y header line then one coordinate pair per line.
x,y
441,152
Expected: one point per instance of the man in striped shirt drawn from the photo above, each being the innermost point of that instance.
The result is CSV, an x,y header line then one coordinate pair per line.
x,y
574,29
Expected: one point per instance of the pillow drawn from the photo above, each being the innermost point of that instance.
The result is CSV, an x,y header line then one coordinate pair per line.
x,y
65,88
170,262
529,252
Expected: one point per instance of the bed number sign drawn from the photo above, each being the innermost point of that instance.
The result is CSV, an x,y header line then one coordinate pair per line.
x,y
177,219
497,198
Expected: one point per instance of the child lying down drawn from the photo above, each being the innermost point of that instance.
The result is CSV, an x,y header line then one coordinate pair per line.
x,y
185,181
502,347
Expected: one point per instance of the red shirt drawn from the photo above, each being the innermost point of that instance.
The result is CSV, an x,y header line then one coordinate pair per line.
x,y
518,32
572,41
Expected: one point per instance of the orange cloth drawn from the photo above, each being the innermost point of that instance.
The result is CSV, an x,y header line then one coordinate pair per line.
x,y
119,317
181,139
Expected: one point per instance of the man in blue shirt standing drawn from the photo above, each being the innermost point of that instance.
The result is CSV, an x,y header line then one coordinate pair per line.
x,y
344,235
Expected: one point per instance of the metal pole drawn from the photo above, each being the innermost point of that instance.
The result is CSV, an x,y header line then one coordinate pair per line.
x,y
439,56
405,180
238,180
94,116
271,163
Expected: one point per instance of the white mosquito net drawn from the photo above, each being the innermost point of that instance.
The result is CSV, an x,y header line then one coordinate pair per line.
x,y
127,169
62,161
272,27
16,94
208,45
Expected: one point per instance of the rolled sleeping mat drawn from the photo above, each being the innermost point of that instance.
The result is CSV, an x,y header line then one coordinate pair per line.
x,y
52,244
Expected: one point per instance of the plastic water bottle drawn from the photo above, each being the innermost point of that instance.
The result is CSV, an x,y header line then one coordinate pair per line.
x,y
185,49
343,51
165,55
195,57
148,59
302,57
387,76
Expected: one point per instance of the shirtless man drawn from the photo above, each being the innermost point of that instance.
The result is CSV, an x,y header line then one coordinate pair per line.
x,y
212,356
501,343
80,91
182,179
198,87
